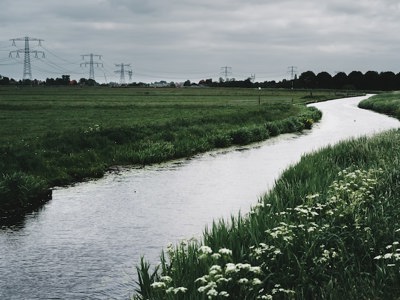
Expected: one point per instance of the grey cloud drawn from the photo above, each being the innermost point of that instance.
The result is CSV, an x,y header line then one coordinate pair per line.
x,y
183,35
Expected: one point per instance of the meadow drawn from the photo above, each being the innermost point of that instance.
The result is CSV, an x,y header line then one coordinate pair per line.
x,y
51,136
329,229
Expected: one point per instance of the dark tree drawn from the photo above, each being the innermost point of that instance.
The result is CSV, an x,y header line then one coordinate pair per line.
x,y
340,80
387,81
4,80
324,80
307,80
371,80
356,79
65,79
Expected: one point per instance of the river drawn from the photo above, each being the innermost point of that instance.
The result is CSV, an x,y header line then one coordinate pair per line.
x,y
86,241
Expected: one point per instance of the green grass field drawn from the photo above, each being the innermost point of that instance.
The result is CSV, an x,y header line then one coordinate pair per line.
x,y
27,113
59,135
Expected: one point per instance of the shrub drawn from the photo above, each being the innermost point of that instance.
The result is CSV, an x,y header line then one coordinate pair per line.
x,y
272,128
241,136
19,191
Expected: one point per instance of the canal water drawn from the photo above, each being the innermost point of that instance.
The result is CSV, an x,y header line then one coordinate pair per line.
x,y
86,241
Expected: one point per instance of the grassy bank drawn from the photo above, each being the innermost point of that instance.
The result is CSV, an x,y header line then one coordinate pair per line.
x,y
57,136
328,230
388,103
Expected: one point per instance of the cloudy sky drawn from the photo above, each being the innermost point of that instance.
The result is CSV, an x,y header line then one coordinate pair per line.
x,y
175,40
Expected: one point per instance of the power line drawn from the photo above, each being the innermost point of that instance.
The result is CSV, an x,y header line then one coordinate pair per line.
x,y
27,74
59,57
58,67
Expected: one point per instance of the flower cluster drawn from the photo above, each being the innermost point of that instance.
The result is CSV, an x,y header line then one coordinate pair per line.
x,y
224,276
263,250
354,187
95,128
346,203
164,286
327,256
392,256
306,236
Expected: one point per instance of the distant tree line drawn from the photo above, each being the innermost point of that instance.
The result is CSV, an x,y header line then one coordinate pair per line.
x,y
64,80
355,80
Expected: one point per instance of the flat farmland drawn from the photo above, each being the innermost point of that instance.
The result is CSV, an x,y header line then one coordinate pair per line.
x,y
53,136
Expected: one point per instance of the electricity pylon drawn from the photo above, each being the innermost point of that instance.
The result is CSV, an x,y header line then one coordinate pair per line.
x,y
91,63
226,71
292,71
27,54
122,72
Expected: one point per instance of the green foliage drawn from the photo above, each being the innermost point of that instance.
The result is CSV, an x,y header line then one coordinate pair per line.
x,y
329,229
21,188
388,103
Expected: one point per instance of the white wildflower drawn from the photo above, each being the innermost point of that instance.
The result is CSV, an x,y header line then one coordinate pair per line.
x,y
223,280
212,293
205,250
223,294
256,270
180,290
203,279
225,251
216,256
166,279
158,285
230,268
243,281
215,269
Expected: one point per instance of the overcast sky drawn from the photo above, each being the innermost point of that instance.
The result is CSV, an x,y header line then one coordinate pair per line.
x,y
175,40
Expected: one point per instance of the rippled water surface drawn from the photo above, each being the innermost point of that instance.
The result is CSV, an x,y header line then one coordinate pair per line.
x,y
85,242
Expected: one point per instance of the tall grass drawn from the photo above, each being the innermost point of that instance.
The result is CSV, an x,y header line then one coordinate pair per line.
x,y
94,136
387,103
329,229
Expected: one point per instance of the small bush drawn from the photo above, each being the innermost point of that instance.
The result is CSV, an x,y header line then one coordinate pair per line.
x,y
18,190
272,128
221,140
241,136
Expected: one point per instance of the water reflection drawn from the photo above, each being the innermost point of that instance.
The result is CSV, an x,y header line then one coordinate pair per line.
x,y
18,221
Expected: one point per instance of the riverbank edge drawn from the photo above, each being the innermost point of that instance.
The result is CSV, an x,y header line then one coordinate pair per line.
x,y
30,191
243,253
387,103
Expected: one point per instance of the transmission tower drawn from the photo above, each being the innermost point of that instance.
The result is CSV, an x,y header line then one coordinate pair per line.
x,y
226,71
292,71
122,72
27,54
91,63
